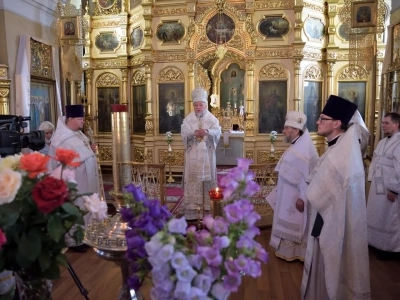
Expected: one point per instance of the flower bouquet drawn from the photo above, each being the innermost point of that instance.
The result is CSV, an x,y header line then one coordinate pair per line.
x,y
273,136
168,137
36,211
187,263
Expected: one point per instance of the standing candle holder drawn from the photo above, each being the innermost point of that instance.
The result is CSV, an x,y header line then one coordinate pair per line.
x,y
168,138
217,202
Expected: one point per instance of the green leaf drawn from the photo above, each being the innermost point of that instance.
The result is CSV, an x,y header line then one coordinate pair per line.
x,y
55,228
30,246
53,271
62,259
44,261
71,208
22,261
78,235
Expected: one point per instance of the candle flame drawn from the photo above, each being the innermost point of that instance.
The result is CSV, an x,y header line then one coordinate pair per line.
x,y
217,190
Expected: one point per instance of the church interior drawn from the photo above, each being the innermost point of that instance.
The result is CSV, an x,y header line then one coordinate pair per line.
x,y
257,59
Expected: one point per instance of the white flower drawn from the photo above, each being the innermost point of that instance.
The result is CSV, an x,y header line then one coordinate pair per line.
x,y
273,135
10,182
168,137
10,162
96,207
67,174
154,244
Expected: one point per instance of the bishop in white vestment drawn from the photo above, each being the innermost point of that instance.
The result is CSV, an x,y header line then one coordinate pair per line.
x,y
383,209
200,133
337,264
68,135
291,214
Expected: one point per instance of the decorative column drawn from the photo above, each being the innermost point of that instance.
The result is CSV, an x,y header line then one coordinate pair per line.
x,y
330,83
191,86
4,91
149,126
250,99
88,91
297,72
123,99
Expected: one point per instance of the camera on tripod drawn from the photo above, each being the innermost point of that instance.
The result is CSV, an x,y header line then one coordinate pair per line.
x,y
13,138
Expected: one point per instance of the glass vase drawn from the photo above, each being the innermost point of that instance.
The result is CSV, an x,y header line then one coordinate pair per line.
x,y
30,287
272,148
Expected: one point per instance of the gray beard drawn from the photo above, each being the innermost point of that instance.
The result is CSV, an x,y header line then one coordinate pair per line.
x,y
200,115
286,140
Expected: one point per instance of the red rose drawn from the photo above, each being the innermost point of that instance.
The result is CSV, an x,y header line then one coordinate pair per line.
x,y
49,194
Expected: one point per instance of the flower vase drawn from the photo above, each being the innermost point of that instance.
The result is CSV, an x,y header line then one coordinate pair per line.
x,y
31,287
272,148
169,148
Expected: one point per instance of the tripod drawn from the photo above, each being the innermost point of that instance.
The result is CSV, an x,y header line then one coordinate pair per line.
x,y
78,283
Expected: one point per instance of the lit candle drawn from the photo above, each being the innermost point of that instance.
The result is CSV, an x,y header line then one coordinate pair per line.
x,y
216,194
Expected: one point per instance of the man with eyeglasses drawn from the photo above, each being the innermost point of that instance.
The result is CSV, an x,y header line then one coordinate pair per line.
x,y
337,263
383,208
291,212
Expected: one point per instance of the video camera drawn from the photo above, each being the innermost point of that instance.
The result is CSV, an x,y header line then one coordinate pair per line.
x,y
12,139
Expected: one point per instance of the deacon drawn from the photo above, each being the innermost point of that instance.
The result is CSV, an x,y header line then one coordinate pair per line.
x,y
383,209
336,264
200,133
291,214
69,135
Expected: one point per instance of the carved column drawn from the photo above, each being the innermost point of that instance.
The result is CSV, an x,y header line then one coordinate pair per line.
x,y
149,109
4,91
191,86
72,84
297,72
330,83
123,99
88,91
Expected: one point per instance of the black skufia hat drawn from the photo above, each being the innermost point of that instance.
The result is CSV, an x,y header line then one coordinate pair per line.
x,y
339,109
74,111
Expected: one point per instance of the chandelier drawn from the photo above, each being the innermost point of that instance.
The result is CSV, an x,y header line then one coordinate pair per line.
x,y
221,30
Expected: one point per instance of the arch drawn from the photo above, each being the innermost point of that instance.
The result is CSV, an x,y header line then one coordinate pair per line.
x,y
170,74
273,71
313,72
138,77
107,79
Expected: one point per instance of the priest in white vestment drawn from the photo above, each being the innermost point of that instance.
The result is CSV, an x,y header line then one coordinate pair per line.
x,y
337,264
68,135
200,133
383,209
291,213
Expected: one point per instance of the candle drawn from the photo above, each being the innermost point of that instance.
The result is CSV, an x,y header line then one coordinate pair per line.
x,y
216,194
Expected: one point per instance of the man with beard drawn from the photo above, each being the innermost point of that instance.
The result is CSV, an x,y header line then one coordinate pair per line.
x,y
337,264
383,207
200,133
69,135
291,213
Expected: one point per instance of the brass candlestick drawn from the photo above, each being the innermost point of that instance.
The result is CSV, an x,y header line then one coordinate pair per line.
x,y
216,202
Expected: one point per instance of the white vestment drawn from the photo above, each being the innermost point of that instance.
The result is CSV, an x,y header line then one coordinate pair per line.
x,y
200,162
383,216
337,192
86,174
289,227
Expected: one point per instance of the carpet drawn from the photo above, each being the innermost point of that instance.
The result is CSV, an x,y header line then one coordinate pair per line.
x,y
174,195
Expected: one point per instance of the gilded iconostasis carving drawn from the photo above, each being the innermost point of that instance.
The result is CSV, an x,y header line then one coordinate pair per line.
x,y
261,58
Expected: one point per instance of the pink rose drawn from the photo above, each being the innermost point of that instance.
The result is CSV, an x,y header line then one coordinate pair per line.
x,y
10,182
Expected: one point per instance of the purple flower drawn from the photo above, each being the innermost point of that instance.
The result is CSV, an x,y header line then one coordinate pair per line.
x,y
233,213
162,256
244,164
150,229
185,274
208,221
165,287
232,282
219,292
195,261
252,232
220,226
220,242
182,290
154,244
136,192
203,237
179,260
241,262
159,274
245,243
196,293
237,174
213,257
246,206
134,282
230,267
252,218
177,225
203,282
261,254
251,188
253,268
127,214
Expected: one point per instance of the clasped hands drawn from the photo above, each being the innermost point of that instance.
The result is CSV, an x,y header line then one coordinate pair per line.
x,y
391,196
200,133
300,205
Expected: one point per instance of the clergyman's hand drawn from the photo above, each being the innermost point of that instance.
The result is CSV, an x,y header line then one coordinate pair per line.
x,y
391,196
94,147
300,205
